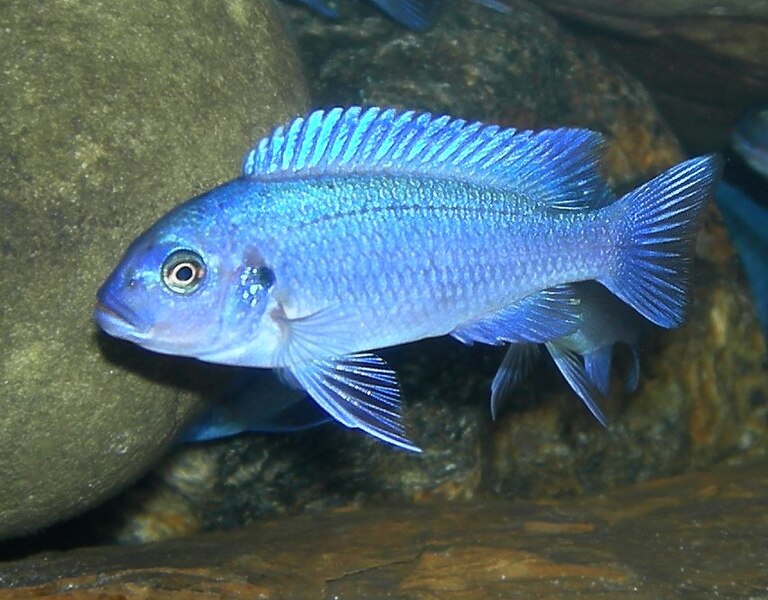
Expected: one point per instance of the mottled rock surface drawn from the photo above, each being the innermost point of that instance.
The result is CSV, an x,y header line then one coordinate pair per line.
x,y
111,114
702,535
703,392
704,62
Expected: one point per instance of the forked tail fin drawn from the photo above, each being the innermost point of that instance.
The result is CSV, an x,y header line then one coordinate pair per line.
x,y
658,222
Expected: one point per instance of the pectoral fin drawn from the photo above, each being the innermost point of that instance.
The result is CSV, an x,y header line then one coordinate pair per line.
x,y
315,336
360,391
537,318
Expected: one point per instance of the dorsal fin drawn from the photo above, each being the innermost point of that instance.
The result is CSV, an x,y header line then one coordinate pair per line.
x,y
557,167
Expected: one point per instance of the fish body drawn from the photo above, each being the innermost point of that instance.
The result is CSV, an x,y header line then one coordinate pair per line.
x,y
414,14
352,230
436,256
583,357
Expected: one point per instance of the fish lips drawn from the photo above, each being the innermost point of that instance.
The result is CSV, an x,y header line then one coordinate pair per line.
x,y
118,319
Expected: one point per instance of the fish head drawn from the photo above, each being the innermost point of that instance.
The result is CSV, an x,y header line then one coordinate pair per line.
x,y
182,289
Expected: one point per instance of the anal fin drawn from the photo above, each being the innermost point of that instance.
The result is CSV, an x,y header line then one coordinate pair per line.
x,y
538,318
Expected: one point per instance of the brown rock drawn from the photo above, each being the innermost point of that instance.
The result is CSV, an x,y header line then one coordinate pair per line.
x,y
701,534
704,62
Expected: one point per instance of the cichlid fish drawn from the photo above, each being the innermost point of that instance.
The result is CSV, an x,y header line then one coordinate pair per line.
x,y
750,139
746,215
352,230
584,357
747,222
414,14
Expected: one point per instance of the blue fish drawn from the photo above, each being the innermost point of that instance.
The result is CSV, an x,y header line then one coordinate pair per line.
x,y
750,139
747,222
745,216
256,402
584,357
357,229
414,14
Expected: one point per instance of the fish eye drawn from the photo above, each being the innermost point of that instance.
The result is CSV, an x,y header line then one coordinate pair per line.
x,y
183,271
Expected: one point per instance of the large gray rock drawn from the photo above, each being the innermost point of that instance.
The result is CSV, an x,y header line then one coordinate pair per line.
x,y
111,113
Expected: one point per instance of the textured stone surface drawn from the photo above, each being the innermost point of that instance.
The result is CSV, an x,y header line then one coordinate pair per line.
x,y
111,113
704,62
701,536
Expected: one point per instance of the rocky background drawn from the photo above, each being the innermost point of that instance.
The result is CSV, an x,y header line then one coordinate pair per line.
x,y
702,61
703,395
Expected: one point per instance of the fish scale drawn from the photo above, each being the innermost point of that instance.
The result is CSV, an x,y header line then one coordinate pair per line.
x,y
357,229
465,236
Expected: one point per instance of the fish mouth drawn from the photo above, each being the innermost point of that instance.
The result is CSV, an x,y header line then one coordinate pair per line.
x,y
117,319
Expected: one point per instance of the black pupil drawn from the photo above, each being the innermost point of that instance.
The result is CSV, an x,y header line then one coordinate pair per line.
x,y
184,273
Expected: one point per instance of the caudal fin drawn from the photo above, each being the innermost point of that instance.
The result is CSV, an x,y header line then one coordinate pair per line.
x,y
658,222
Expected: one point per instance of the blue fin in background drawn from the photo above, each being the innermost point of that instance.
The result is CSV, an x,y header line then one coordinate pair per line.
x,y
557,167
662,217
360,391
255,402
320,6
750,139
519,361
497,5
633,374
414,14
747,222
597,365
417,15
539,317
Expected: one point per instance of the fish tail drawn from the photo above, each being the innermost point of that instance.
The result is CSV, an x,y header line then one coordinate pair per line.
x,y
658,222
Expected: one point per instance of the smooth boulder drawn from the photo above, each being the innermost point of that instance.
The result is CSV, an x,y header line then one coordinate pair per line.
x,y
112,113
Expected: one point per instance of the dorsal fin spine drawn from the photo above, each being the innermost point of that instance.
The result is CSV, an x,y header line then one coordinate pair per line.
x,y
323,142
554,168
295,132
309,131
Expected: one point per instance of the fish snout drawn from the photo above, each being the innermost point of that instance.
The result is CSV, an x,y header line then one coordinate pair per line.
x,y
115,317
